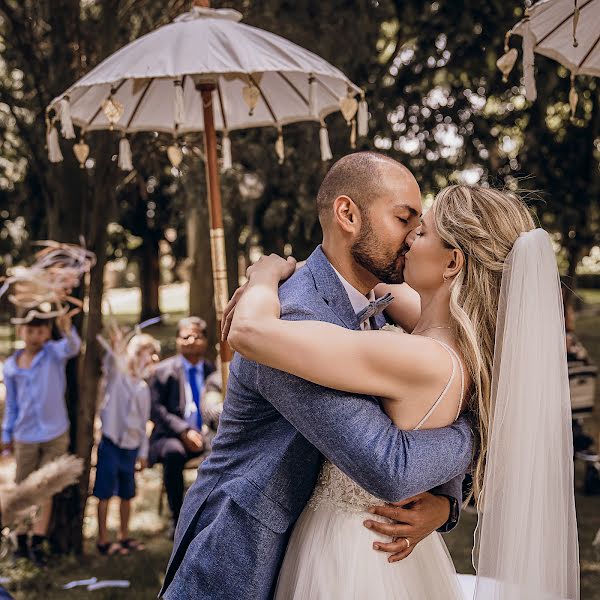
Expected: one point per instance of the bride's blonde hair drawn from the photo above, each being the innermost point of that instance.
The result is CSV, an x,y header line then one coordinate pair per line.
x,y
484,223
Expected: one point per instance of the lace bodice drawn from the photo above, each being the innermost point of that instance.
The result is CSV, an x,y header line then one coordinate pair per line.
x,y
335,490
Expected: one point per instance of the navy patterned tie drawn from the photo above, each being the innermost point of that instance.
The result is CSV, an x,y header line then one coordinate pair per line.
x,y
376,307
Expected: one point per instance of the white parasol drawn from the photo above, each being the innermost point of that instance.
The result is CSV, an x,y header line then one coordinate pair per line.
x,y
567,31
206,71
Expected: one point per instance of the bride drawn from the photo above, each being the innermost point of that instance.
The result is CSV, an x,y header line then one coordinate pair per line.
x,y
487,337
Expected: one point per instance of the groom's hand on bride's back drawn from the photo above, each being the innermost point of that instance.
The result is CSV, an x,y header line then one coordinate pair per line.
x,y
413,520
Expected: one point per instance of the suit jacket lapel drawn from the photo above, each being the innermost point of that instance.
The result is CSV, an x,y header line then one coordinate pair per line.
x,y
331,288
181,376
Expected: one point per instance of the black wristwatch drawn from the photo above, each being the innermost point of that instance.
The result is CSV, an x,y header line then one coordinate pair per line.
x,y
452,521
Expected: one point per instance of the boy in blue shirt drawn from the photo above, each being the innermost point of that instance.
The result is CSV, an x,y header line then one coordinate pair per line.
x,y
36,425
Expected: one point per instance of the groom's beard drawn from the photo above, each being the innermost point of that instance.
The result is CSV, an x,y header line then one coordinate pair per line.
x,y
368,252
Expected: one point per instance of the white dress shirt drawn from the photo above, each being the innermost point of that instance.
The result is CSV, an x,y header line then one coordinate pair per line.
x,y
359,301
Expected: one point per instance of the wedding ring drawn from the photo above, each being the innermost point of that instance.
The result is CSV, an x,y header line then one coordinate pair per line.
x,y
407,543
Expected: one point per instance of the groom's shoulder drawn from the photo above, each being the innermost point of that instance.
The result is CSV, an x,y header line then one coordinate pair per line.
x,y
299,294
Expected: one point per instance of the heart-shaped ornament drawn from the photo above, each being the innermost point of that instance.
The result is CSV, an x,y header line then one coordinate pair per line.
x,y
348,106
81,151
175,155
113,109
506,63
251,94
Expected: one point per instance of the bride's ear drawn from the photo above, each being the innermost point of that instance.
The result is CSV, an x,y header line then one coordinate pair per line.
x,y
455,264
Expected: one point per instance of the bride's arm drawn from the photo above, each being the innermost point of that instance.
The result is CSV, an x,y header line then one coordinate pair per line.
x,y
365,362
405,310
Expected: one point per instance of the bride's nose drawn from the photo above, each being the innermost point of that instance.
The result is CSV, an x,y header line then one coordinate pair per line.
x,y
410,238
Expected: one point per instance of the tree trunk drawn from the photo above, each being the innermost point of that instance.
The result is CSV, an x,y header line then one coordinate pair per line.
x,y
69,506
149,266
201,301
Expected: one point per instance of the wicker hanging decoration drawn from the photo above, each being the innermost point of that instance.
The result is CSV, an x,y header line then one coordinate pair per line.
x,y
175,155
81,151
113,109
507,61
348,107
251,94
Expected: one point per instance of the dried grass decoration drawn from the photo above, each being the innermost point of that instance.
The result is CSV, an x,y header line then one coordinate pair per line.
x,y
19,503
44,290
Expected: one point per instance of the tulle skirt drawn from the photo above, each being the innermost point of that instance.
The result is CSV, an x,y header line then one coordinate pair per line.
x,y
330,557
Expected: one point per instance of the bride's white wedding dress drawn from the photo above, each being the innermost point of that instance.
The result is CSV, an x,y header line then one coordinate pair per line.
x,y
330,555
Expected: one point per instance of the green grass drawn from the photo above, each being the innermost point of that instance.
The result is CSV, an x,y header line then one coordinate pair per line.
x,y
591,296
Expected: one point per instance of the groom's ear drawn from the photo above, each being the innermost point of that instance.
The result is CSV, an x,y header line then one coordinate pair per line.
x,y
346,214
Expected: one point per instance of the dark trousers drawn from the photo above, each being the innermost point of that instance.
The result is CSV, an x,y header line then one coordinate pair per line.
x,y
173,456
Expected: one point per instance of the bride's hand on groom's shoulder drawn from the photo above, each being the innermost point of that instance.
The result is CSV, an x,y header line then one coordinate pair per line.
x,y
412,519
272,267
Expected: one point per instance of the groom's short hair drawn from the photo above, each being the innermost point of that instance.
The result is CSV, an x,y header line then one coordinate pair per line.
x,y
356,176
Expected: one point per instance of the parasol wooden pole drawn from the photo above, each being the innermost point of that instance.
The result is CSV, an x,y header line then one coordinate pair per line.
x,y
217,234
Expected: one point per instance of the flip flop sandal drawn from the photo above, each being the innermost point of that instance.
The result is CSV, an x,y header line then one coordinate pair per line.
x,y
133,545
111,549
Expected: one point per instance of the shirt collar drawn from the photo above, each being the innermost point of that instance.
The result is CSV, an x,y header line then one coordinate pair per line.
x,y
359,301
187,365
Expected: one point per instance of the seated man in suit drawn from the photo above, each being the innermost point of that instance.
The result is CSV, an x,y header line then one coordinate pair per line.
x,y
177,410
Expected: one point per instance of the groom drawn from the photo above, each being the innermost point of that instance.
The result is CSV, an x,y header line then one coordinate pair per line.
x,y
275,428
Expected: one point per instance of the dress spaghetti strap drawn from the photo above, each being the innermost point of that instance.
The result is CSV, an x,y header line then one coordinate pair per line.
x,y
455,359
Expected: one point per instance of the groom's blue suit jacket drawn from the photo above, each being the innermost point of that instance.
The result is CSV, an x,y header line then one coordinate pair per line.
x,y
272,436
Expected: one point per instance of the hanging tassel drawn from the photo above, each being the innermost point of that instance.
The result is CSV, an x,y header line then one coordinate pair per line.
x,y
325,147
125,162
312,95
363,116
179,106
226,150
279,147
65,119
54,153
576,14
528,63
353,134
573,98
